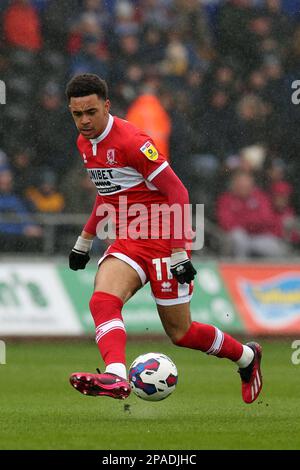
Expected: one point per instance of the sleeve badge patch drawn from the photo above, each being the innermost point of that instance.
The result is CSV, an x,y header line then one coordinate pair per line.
x,y
149,151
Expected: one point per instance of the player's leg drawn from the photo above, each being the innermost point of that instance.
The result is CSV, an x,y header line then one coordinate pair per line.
x,y
116,277
184,332
115,282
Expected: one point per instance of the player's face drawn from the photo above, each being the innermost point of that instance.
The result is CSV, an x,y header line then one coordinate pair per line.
x,y
90,114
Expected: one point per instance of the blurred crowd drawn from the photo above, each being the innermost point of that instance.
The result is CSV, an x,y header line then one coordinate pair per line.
x,y
209,80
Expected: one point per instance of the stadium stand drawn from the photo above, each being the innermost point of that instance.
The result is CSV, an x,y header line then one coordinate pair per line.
x,y
222,70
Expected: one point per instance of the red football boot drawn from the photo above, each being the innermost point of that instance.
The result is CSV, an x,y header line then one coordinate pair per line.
x,y
251,375
106,384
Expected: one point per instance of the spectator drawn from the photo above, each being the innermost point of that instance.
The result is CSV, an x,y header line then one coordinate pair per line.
x,y
192,23
21,229
52,135
56,23
260,28
194,84
286,223
156,13
24,174
153,45
99,8
89,59
293,53
215,126
126,22
127,52
183,138
252,159
235,39
87,26
147,113
280,24
224,78
176,61
276,92
45,197
22,26
246,216
249,125
257,83
275,172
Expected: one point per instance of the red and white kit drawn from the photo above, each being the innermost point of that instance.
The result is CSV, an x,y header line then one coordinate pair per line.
x,y
123,161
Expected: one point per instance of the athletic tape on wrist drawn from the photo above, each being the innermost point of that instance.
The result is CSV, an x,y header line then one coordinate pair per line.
x,y
179,257
82,244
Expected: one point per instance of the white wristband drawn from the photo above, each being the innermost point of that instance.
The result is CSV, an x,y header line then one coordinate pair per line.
x,y
83,244
178,257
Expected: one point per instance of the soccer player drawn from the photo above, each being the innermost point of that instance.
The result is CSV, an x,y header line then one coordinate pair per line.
x,y
123,162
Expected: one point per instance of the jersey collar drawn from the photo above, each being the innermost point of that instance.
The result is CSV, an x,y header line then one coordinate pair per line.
x,y
105,132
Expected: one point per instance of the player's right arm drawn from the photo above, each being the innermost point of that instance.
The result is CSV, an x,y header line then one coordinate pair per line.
x,y
79,256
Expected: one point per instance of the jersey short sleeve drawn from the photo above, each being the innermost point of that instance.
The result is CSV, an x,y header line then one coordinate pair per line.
x,y
143,155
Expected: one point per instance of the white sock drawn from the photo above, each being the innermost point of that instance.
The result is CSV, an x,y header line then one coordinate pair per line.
x,y
246,357
117,368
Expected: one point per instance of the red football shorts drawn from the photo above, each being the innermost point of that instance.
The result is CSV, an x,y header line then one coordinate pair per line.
x,y
151,260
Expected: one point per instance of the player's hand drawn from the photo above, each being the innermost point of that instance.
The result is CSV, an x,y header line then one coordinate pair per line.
x,y
182,268
78,260
79,256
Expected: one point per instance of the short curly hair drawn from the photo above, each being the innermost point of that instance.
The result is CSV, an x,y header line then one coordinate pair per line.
x,y
87,84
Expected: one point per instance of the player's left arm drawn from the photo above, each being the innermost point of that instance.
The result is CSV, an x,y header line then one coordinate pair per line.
x,y
144,156
168,183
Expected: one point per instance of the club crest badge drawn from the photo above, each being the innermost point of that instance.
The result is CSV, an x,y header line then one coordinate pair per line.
x,y
111,157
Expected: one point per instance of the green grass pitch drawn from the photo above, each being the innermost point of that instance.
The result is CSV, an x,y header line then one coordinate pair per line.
x,y
40,410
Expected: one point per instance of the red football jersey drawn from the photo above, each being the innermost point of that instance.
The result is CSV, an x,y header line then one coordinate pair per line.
x,y
123,161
